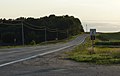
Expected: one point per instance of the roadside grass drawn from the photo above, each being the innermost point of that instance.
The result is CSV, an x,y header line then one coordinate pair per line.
x,y
101,56
33,43
60,41
108,40
115,37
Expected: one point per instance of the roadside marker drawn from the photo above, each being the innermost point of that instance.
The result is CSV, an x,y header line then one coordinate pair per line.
x,y
92,36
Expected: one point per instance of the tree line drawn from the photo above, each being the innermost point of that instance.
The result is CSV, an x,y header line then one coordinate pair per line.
x,y
35,29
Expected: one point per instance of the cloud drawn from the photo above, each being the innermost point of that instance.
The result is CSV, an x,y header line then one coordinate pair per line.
x,y
103,26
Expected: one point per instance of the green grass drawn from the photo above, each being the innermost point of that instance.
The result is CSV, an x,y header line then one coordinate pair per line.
x,y
60,41
109,37
20,46
82,53
3,47
108,43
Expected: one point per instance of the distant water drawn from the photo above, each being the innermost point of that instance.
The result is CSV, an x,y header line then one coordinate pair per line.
x,y
102,26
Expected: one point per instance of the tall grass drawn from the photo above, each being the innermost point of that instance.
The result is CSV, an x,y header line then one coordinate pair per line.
x,y
109,36
102,55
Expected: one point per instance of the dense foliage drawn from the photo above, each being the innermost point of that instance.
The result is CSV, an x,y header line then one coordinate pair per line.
x,y
110,39
55,27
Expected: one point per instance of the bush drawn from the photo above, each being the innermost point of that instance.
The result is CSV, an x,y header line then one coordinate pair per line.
x,y
33,42
107,43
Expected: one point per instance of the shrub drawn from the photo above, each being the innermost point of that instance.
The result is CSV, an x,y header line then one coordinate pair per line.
x,y
33,42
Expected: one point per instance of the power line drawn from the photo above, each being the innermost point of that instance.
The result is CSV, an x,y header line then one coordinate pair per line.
x,y
38,28
67,33
57,34
48,29
33,28
10,24
22,34
86,27
45,35
51,30
62,31
34,25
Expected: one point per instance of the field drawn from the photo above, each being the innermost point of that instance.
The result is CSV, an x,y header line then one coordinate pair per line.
x,y
100,55
109,36
108,39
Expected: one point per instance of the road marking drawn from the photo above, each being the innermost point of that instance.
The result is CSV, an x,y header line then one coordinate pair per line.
x,y
34,56
58,70
12,62
16,49
27,52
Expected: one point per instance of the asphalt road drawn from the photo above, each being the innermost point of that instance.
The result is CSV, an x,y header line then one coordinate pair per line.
x,y
48,61
15,55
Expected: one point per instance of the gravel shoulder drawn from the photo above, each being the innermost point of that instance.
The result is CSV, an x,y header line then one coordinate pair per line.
x,y
55,65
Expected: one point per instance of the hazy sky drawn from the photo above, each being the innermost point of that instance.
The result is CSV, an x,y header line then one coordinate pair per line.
x,y
83,9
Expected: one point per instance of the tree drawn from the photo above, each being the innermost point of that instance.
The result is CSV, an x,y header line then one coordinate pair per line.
x,y
63,23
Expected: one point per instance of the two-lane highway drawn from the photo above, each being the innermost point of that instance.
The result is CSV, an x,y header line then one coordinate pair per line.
x,y
14,55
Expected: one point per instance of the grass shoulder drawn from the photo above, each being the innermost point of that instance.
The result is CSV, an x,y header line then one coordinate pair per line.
x,y
33,43
60,41
102,55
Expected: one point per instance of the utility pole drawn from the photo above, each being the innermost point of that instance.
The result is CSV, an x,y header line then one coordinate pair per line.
x,y
1,37
67,33
86,28
22,34
57,34
45,34
92,35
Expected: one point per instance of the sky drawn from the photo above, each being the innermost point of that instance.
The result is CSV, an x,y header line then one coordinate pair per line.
x,y
91,12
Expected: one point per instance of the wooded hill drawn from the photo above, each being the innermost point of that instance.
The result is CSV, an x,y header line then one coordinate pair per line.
x,y
38,29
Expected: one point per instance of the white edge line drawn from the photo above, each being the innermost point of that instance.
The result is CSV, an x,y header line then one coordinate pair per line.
x,y
16,61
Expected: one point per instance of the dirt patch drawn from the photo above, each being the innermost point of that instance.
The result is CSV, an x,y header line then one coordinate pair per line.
x,y
56,64
54,59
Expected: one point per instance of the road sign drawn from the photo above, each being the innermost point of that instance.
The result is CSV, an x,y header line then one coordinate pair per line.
x,y
92,32
92,37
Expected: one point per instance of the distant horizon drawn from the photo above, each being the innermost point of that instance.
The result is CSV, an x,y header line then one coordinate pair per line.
x,y
102,26
57,15
85,10
96,24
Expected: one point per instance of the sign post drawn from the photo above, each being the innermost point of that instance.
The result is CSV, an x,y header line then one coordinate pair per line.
x,y
92,36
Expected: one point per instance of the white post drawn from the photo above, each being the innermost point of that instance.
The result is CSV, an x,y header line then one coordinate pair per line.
x,y
45,34
22,33
57,33
67,33
86,28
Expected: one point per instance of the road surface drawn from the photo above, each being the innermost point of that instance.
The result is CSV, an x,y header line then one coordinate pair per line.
x,y
35,61
14,55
